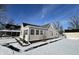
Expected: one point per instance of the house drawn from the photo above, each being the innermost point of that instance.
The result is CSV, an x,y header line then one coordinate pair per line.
x,y
10,30
30,32
72,34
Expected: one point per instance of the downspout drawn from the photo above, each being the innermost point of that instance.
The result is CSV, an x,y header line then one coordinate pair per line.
x,y
29,36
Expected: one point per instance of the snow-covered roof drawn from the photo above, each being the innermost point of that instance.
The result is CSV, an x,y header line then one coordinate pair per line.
x,y
72,30
43,26
9,30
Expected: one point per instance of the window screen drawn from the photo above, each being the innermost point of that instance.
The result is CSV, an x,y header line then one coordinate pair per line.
x,y
37,32
32,32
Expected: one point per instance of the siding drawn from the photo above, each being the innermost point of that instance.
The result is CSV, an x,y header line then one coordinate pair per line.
x,y
72,35
36,37
52,32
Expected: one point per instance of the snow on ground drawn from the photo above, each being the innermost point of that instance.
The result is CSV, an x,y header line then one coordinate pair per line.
x,y
5,51
64,46
4,40
32,45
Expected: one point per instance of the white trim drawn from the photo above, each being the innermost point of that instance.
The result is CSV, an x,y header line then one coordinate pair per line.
x,y
9,30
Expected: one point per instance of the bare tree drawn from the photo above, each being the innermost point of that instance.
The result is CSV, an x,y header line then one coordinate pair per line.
x,y
74,22
2,8
10,21
4,18
58,26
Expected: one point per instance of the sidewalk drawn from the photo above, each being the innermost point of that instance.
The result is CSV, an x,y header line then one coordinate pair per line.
x,y
34,45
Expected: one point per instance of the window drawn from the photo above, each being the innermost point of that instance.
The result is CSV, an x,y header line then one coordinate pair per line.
x,y
37,32
52,34
41,32
21,32
32,32
18,33
26,32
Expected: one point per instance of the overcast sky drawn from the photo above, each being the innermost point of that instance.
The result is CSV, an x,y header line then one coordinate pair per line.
x,y
42,14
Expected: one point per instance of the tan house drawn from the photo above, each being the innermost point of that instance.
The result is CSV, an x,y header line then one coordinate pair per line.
x,y
30,32
72,34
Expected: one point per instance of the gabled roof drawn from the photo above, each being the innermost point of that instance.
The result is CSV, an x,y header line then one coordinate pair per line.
x,y
46,25
25,24
43,26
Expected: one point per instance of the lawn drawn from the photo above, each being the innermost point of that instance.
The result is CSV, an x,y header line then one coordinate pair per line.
x,y
51,47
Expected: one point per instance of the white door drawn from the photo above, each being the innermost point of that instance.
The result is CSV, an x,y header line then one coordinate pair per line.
x,y
44,34
26,35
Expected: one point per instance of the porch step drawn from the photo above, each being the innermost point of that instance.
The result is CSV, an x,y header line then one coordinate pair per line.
x,y
22,42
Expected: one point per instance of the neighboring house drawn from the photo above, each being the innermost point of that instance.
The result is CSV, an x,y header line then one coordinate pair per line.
x,y
10,30
72,34
30,32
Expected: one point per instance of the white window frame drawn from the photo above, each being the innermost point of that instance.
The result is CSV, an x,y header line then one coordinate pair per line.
x,y
31,32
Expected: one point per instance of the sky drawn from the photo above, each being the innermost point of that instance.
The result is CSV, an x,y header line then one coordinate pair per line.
x,y
41,14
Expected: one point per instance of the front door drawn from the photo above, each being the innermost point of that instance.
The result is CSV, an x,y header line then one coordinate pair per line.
x,y
26,35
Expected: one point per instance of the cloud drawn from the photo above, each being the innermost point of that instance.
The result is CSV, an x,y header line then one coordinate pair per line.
x,y
47,9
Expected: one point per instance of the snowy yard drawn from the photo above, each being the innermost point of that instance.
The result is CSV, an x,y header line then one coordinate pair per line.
x,y
50,47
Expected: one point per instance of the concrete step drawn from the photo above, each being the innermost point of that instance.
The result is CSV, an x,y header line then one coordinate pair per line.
x,y
22,43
